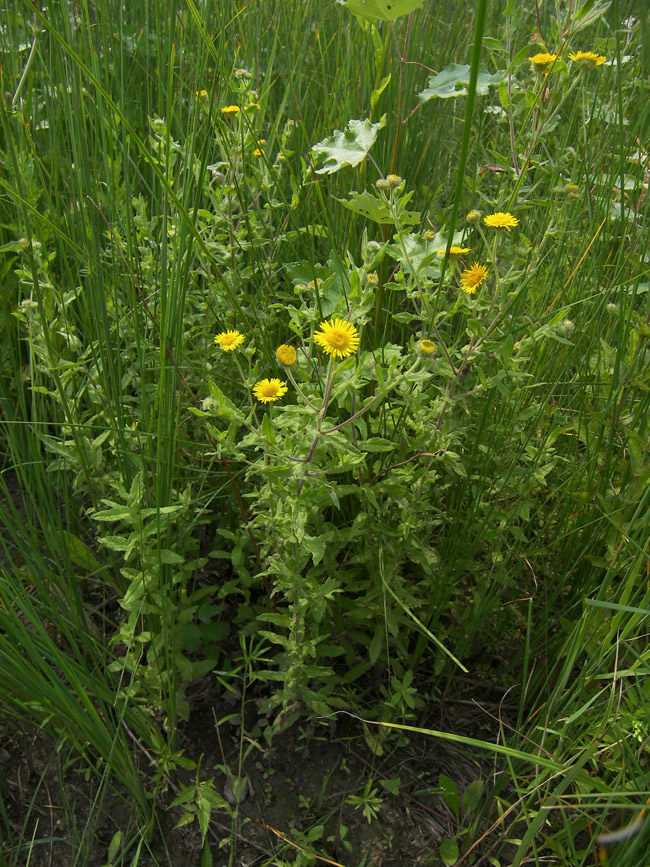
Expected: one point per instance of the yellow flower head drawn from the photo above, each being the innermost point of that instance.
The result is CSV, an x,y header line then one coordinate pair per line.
x,y
201,93
286,355
501,220
268,390
372,278
425,347
337,338
473,215
258,150
542,62
429,234
454,252
228,340
471,278
587,58
230,109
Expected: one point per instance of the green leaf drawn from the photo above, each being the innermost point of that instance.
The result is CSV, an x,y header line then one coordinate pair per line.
x,y
80,554
204,816
381,10
472,796
450,795
267,429
392,786
453,81
376,209
374,96
206,857
449,852
348,148
118,513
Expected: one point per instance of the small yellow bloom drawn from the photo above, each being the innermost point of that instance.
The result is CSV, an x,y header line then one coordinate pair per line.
x,y
229,340
230,109
473,216
338,338
253,105
426,347
429,234
267,390
286,355
587,58
472,278
372,278
201,93
501,220
258,150
454,252
542,62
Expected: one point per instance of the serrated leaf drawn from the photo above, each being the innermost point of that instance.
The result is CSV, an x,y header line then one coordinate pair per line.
x,y
349,147
453,81
381,10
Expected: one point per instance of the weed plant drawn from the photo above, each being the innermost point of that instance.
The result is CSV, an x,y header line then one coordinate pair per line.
x,y
325,368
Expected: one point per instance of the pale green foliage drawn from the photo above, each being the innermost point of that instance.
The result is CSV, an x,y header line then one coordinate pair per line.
x,y
453,81
349,147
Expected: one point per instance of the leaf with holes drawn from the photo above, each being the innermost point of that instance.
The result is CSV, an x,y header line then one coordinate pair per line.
x,y
453,81
347,148
381,10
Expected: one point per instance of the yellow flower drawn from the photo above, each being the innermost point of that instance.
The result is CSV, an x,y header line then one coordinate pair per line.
x,y
230,109
228,340
471,278
587,58
501,220
201,93
426,347
454,252
286,355
267,390
372,278
473,216
338,338
258,150
542,62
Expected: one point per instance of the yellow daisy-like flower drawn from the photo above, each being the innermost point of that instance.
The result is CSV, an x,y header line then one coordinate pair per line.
x,y
587,58
501,220
471,278
230,109
337,338
286,355
542,62
454,252
268,390
426,347
228,340
258,150
201,93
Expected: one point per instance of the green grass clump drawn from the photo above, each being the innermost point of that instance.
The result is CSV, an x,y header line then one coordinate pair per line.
x,y
324,367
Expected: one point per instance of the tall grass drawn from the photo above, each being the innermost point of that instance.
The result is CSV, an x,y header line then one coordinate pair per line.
x,y
135,223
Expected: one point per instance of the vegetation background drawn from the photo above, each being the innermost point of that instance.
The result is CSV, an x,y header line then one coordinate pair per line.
x,y
462,492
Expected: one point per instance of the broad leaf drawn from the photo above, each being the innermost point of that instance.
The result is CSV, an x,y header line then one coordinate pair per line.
x,y
453,81
376,209
347,148
381,10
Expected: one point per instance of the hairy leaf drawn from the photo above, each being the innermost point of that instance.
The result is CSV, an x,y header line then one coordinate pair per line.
x,y
347,148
